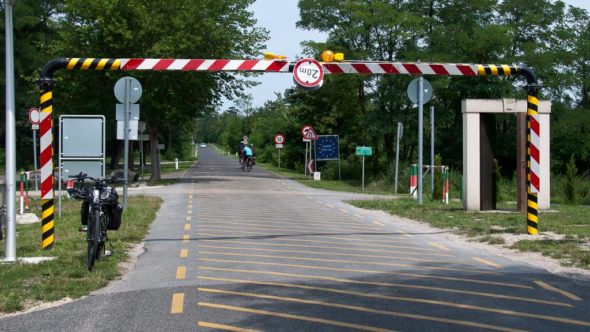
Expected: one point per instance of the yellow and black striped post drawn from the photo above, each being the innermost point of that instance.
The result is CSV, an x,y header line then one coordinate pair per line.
x,y
532,206
532,110
46,159
46,133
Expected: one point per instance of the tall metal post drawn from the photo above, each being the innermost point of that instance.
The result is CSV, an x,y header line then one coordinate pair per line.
x,y
126,141
305,165
10,251
432,151
399,137
363,178
279,158
532,148
420,136
35,159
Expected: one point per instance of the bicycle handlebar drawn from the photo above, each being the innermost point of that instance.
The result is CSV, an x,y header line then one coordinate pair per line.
x,y
83,176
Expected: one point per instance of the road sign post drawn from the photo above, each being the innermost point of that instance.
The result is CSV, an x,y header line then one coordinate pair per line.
x,y
420,92
279,139
364,151
400,133
128,91
35,118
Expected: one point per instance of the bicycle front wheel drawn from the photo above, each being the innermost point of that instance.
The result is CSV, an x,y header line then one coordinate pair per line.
x,y
90,241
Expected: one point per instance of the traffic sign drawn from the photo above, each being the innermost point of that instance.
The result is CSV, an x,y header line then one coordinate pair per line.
x,y
364,151
279,139
327,147
34,116
134,92
308,73
308,133
413,91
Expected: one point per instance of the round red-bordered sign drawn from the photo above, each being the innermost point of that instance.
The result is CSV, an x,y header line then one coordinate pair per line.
x,y
279,139
308,73
34,116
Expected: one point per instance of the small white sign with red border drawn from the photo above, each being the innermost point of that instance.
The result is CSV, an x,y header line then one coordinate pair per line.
x,y
308,73
279,139
34,116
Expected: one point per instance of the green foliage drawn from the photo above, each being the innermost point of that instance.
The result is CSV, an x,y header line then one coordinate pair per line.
x,y
570,185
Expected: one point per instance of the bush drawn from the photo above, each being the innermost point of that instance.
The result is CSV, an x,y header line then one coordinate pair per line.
x,y
570,185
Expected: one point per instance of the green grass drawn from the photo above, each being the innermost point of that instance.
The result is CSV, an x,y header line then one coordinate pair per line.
x,y
24,285
571,221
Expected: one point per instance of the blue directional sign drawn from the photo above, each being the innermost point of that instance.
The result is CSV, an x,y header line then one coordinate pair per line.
x,y
327,147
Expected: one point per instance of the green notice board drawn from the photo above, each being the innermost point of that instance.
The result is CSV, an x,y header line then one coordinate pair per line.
x,y
364,151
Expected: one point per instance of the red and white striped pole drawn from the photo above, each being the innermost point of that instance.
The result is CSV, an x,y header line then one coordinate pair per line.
x,y
46,160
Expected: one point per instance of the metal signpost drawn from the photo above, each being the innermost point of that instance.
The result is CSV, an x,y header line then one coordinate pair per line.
x,y
432,152
279,139
400,133
141,128
128,91
35,118
420,92
364,151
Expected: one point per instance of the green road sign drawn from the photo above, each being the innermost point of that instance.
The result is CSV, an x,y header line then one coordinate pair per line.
x,y
364,151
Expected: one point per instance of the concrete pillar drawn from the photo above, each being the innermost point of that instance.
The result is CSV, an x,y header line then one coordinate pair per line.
x,y
471,109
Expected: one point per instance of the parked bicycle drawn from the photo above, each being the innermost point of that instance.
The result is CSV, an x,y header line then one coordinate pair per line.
x,y
100,212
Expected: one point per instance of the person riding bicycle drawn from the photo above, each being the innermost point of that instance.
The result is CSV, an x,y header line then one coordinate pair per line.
x,y
241,152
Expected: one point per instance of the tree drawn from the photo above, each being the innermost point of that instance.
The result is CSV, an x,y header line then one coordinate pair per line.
x,y
158,29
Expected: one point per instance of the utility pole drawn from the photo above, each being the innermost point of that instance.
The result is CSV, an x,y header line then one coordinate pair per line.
x,y
10,251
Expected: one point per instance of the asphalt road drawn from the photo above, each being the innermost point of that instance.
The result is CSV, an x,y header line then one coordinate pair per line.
x,y
237,251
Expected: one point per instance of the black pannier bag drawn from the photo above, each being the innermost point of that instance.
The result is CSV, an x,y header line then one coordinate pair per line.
x,y
84,212
114,214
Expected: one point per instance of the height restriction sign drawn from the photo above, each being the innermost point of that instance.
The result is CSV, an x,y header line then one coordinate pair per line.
x,y
308,73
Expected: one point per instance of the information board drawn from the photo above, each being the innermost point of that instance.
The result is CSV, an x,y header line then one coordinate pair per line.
x,y
327,147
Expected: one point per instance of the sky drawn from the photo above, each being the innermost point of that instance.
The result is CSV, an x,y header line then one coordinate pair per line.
x,y
279,18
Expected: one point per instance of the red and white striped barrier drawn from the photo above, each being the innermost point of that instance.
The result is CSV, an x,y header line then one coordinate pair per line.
x,y
205,65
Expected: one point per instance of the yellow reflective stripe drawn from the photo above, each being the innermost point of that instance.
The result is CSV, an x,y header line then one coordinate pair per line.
x,y
48,226
533,100
87,63
494,70
532,217
47,213
72,63
101,64
47,242
532,231
46,96
507,70
533,205
116,64
481,70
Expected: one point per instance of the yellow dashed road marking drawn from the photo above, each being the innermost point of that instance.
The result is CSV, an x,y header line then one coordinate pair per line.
x,y
190,196
185,238
189,218
291,316
378,223
343,210
439,246
387,284
407,274
183,253
359,216
187,227
224,327
489,263
349,261
177,303
190,206
181,272
320,247
405,299
553,289
244,249
357,308
189,211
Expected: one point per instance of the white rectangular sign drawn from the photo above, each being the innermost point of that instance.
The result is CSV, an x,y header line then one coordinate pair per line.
x,y
132,130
